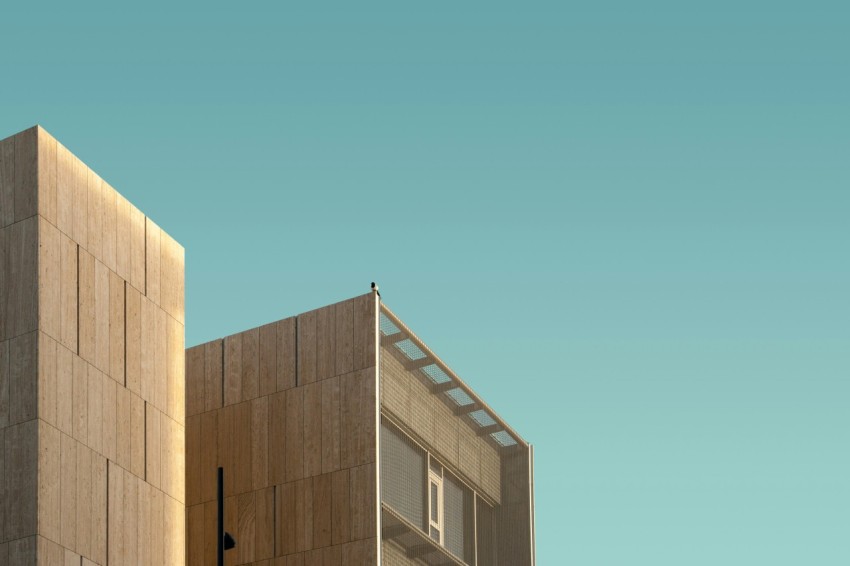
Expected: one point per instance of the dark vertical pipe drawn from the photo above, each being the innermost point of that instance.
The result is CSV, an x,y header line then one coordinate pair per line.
x,y
220,529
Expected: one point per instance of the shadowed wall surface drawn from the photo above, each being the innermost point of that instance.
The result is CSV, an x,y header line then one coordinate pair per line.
x,y
289,411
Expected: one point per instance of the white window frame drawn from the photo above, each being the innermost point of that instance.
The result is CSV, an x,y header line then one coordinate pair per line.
x,y
436,479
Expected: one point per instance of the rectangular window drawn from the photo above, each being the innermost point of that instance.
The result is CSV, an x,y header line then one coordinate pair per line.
x,y
428,495
435,497
435,501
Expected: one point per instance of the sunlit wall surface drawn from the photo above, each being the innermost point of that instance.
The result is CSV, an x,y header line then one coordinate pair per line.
x,y
91,368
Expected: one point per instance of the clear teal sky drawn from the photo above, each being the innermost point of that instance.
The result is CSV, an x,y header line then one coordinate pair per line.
x,y
624,223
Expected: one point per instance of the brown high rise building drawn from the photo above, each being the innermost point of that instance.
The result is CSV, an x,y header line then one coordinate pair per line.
x,y
344,440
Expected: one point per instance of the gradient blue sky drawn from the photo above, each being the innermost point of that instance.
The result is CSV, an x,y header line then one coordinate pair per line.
x,y
624,223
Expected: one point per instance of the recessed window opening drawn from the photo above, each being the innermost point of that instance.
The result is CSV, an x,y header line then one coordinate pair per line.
x,y
435,500
427,494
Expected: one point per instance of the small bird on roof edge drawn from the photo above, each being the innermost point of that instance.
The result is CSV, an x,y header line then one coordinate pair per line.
x,y
375,288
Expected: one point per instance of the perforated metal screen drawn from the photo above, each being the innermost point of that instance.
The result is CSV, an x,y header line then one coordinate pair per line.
x,y
403,475
458,518
486,534
455,479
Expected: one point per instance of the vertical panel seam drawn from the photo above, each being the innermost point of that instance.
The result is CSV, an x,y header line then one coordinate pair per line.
x,y
78,300
297,356
125,334
145,243
14,183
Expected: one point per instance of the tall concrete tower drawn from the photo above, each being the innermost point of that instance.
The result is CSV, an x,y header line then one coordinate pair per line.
x,y
92,393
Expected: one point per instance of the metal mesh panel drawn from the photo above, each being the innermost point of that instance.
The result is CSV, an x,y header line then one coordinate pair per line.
x,y
436,374
409,349
503,438
395,555
513,514
454,496
405,395
486,534
403,475
503,532
482,418
405,545
480,473
387,326
459,396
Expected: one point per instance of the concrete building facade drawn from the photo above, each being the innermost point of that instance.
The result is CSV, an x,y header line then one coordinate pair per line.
x,y
343,438
92,459
289,411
